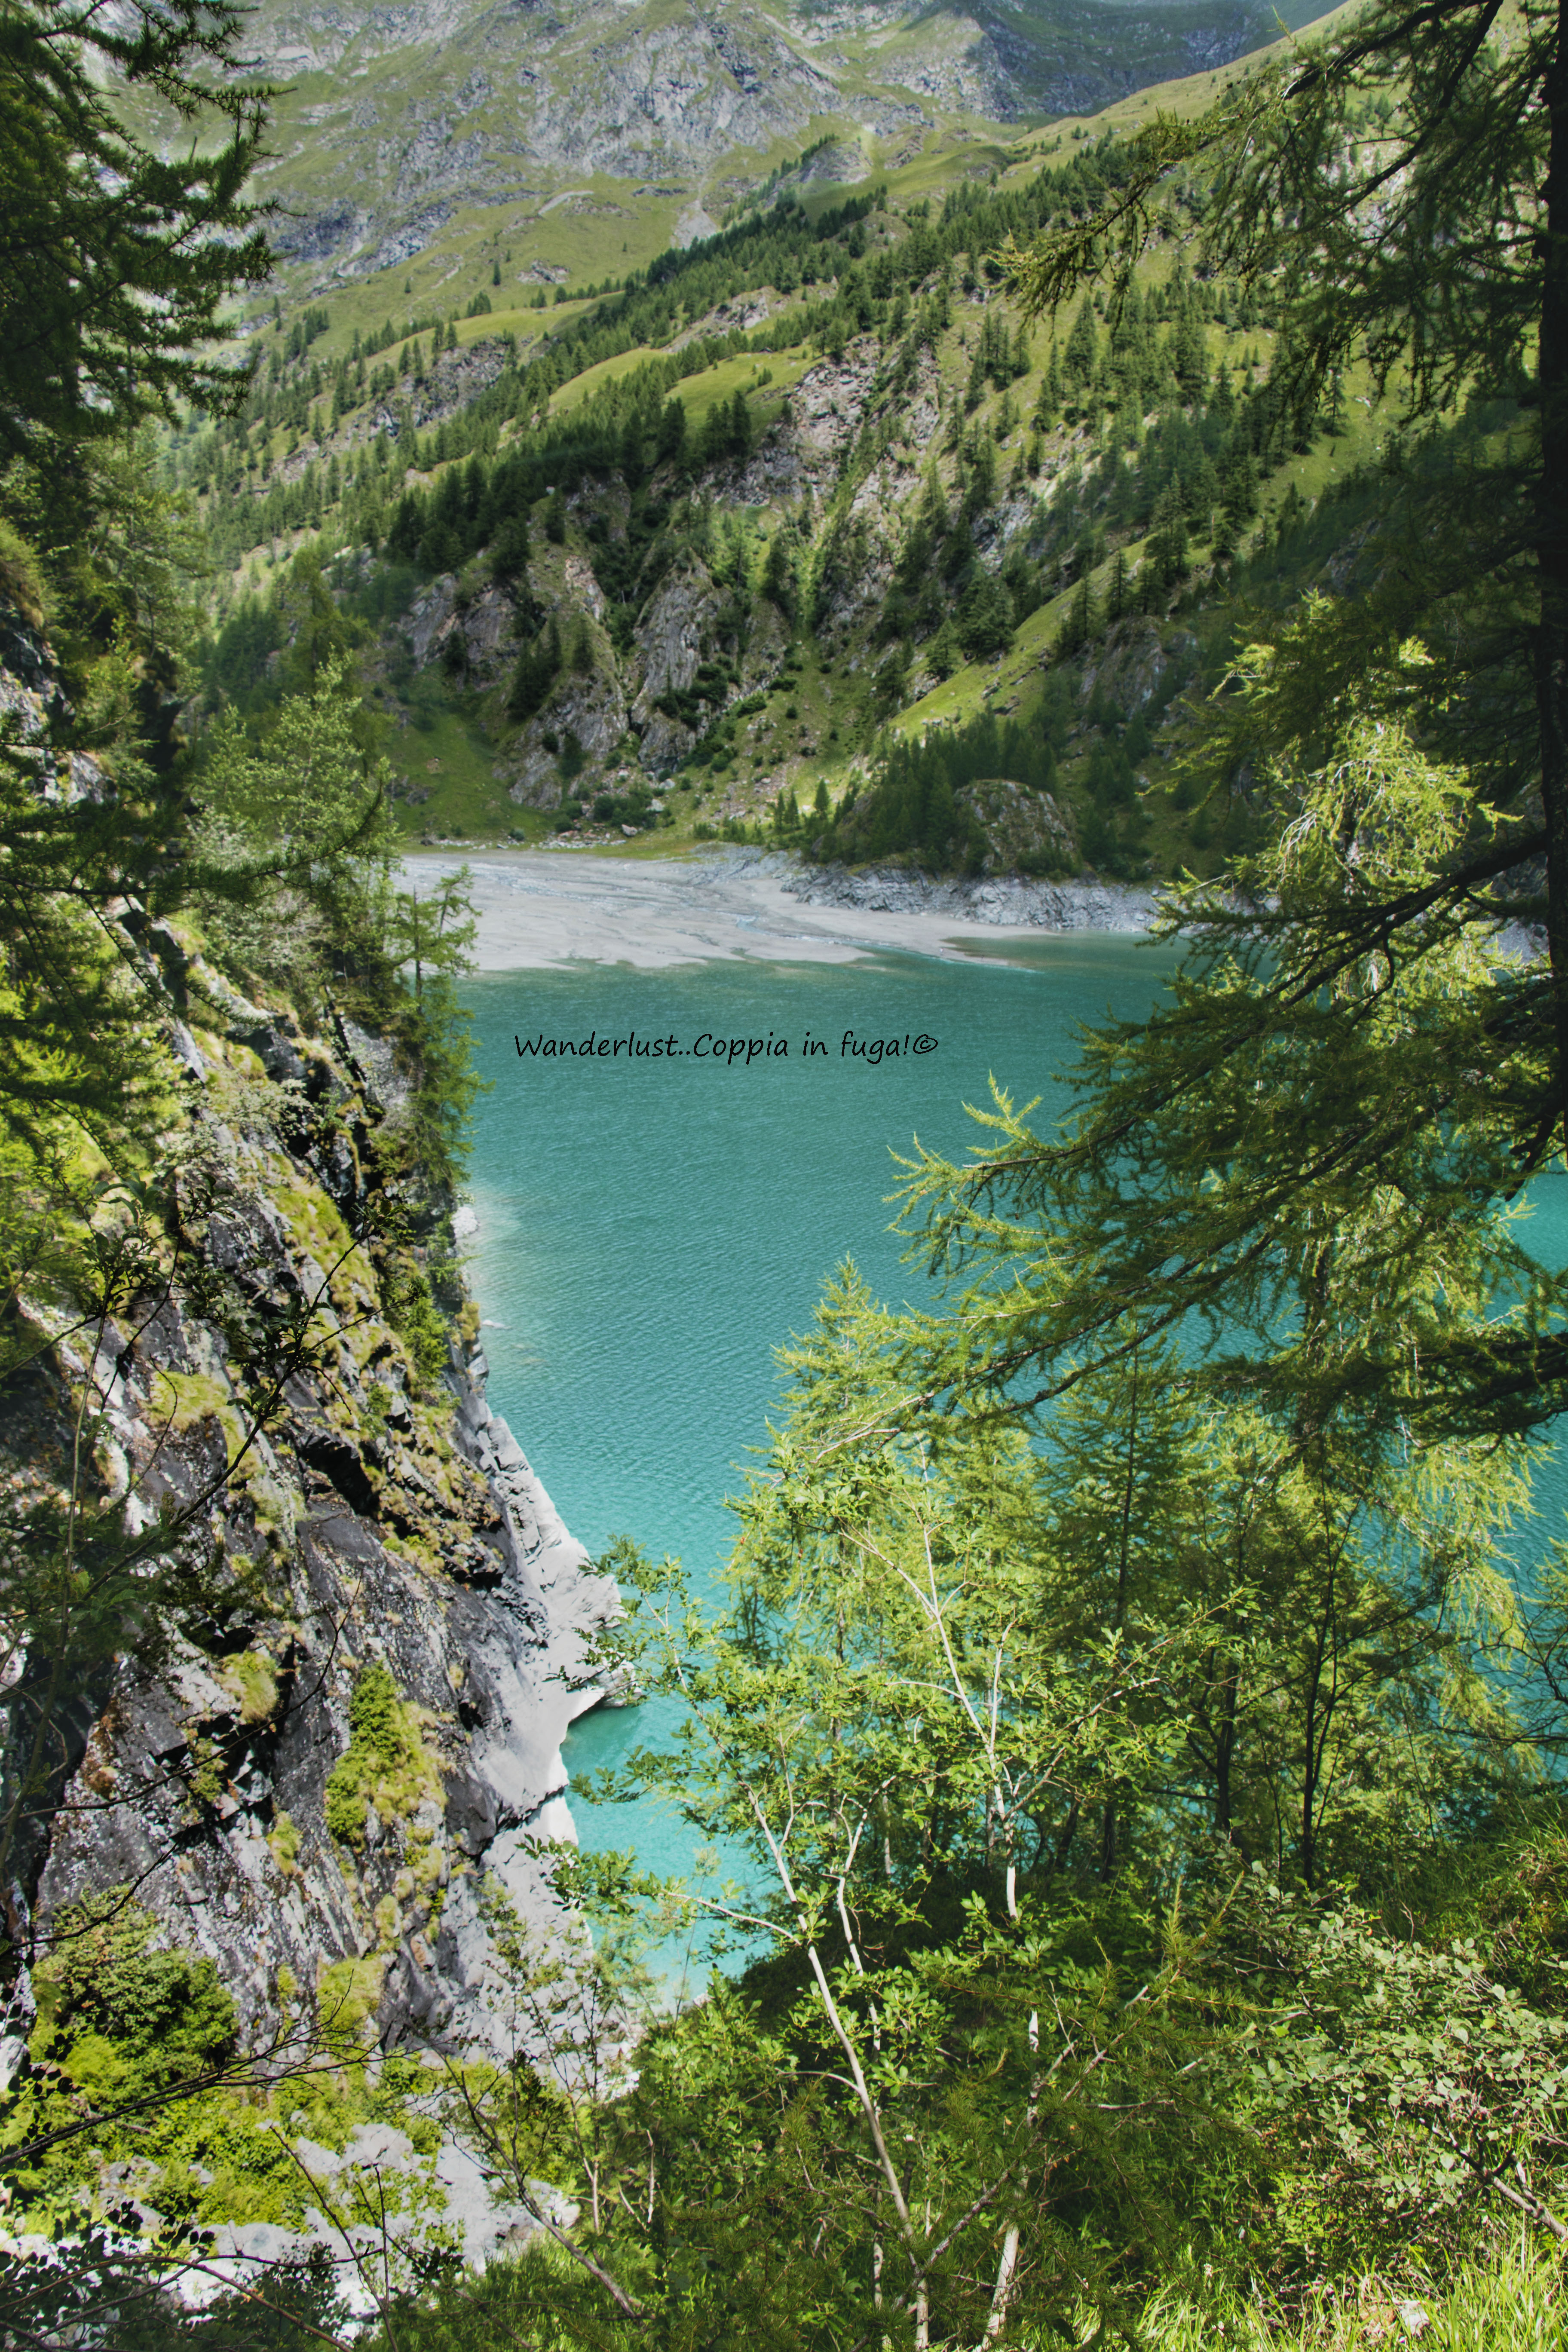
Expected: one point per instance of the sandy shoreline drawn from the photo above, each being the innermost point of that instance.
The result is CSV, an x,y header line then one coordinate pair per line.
x,y
541,908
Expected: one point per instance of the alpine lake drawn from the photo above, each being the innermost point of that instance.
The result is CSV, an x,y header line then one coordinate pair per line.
x,y
653,1227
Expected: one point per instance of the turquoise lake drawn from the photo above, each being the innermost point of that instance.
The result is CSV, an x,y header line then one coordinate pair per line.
x,y
651,1230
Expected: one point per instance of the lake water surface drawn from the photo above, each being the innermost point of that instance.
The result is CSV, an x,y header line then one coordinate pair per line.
x,y
652,1229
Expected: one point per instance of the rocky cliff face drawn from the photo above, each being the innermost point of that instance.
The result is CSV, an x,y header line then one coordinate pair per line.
x,y
323,1775
400,120
1000,900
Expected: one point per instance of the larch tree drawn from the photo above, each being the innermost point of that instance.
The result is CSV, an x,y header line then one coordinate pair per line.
x,y
1322,1143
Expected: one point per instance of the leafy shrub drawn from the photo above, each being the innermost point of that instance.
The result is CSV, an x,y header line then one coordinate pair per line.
x,y
386,1763
114,2005
1403,2083
418,1322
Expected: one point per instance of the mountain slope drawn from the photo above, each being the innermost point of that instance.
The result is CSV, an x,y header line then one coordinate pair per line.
x,y
451,126
696,555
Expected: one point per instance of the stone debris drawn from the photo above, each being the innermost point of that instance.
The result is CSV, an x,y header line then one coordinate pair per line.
x,y
1000,900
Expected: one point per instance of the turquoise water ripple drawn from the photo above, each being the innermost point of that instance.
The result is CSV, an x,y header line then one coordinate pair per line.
x,y
651,1230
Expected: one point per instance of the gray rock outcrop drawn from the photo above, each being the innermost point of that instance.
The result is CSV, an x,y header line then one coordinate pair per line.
x,y
350,1505
436,106
1004,900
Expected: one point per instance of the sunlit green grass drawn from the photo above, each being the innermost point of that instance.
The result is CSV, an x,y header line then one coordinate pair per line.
x,y
1514,2302
444,750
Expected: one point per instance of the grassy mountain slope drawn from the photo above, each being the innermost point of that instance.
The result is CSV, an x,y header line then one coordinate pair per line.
x,y
691,557
431,140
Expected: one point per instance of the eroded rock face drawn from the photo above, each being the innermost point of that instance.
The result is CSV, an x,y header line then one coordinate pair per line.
x,y
1135,661
1000,900
588,709
673,636
448,385
374,1518
1028,832
442,104
472,638
857,571
828,403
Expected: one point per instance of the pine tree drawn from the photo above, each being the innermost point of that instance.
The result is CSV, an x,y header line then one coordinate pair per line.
x,y
1312,1077
114,260
1082,352
672,433
1168,540
630,455
538,668
1189,356
779,583
1221,403
1080,624
1049,405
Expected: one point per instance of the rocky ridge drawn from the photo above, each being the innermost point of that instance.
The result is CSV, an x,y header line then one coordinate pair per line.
x,y
636,704
998,900
325,1762
379,1517
400,119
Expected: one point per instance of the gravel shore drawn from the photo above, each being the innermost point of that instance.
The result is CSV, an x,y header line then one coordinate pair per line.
x,y
543,908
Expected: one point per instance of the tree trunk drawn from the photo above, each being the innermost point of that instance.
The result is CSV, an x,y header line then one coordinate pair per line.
x,y
1308,1770
1224,1749
1552,541
1107,1844
996,2319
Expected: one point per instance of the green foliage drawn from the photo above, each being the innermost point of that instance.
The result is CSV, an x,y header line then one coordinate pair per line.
x,y
133,2061
534,681
411,1310
1114,1684
912,803
727,432
1508,2301
1422,2080
294,842
92,816
995,1725
140,2017
386,1763
433,934
984,617
1349,1003
78,1055
123,2027
903,1717
308,796
297,842
115,258
1136,1566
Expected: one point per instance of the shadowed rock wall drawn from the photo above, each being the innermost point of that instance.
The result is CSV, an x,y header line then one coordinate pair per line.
x,y
379,1517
